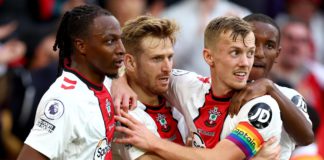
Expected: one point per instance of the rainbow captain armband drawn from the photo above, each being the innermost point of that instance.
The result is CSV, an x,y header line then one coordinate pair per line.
x,y
247,138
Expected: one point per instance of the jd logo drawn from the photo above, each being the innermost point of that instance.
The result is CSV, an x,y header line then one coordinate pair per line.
x,y
299,102
260,115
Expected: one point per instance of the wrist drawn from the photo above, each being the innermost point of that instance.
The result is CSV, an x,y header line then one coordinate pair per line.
x,y
157,145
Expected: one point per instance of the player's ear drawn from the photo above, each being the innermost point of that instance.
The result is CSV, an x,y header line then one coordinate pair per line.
x,y
278,51
129,61
208,57
80,45
277,54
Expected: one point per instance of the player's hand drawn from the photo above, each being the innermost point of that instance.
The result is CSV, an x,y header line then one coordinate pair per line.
x,y
136,133
252,90
268,152
123,96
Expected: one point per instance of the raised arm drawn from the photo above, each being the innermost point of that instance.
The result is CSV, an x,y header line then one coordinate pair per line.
x,y
123,96
139,136
294,121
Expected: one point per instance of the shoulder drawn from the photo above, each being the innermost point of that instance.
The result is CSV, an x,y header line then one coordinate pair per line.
x,y
66,90
261,111
265,100
288,92
139,113
183,77
294,96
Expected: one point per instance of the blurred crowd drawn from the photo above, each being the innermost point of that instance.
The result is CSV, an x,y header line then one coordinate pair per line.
x,y
28,64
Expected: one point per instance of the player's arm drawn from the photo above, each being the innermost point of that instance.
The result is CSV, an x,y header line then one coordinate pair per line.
x,y
123,96
294,121
141,137
133,152
138,135
257,121
28,152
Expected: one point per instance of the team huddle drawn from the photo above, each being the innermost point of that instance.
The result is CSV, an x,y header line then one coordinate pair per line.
x,y
117,95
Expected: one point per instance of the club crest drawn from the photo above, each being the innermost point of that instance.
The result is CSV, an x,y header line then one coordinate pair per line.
x,y
163,122
108,107
213,115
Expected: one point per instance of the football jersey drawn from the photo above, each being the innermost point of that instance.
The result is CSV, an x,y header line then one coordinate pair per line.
x,y
193,92
257,121
163,120
287,143
74,119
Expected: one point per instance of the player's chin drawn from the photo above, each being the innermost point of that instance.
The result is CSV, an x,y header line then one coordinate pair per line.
x,y
161,90
112,74
256,74
239,85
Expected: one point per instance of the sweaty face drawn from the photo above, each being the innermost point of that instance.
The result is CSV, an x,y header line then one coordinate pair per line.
x,y
154,64
267,49
233,61
105,49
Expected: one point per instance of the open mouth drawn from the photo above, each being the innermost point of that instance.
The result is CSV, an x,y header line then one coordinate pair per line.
x,y
258,65
241,75
164,79
119,63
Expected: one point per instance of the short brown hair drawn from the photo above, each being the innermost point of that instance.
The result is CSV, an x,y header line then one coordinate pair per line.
x,y
143,26
223,24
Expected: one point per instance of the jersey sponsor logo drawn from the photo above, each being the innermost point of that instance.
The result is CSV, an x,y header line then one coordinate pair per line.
x,y
163,122
179,72
103,147
260,115
54,109
198,142
299,102
206,133
213,115
43,124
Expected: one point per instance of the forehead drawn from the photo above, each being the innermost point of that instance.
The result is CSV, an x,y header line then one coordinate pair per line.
x,y
155,45
105,25
227,39
265,31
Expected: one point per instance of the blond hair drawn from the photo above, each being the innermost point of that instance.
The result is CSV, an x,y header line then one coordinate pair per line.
x,y
222,25
144,26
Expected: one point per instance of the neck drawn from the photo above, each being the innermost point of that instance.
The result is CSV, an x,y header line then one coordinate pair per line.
x,y
87,72
219,89
144,96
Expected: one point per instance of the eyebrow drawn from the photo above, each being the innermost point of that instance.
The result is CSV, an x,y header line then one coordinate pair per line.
x,y
107,35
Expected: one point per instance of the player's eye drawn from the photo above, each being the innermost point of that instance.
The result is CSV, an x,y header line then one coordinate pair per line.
x,y
157,59
234,53
270,46
110,41
250,53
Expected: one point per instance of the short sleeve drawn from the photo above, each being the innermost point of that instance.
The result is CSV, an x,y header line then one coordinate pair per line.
x,y
257,121
183,86
144,118
52,130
